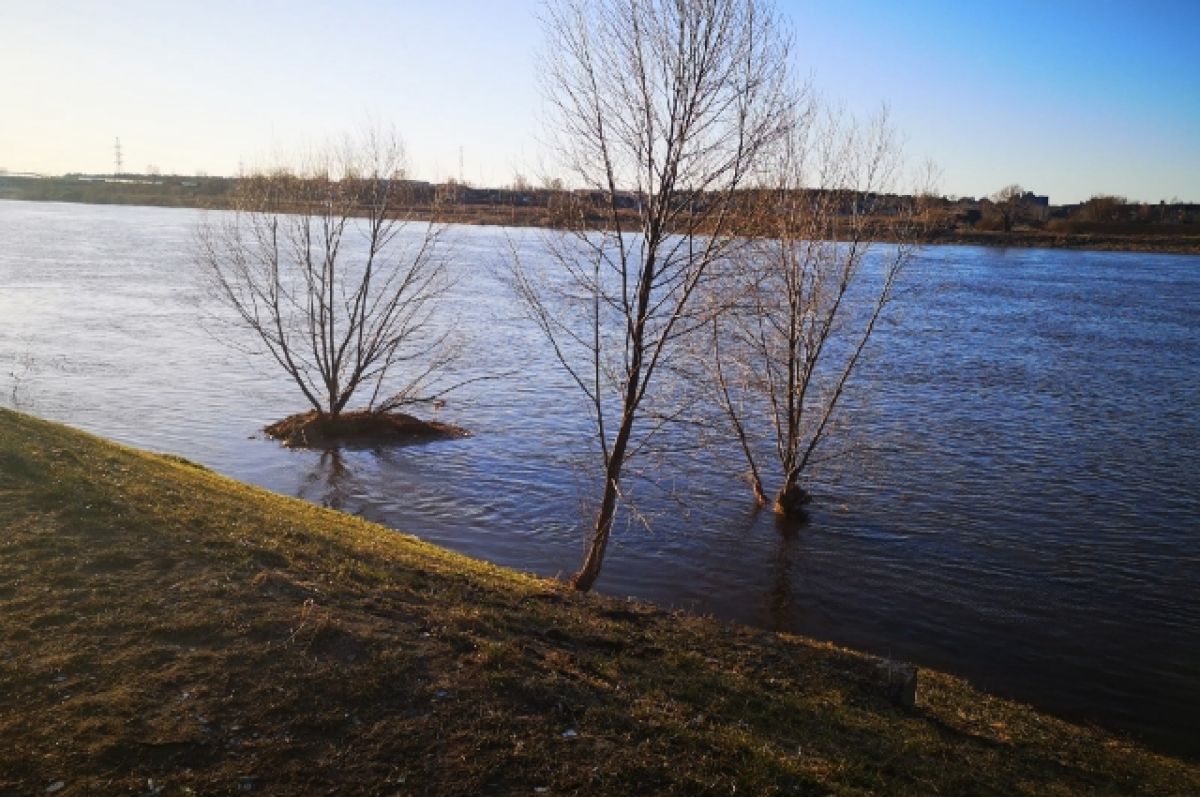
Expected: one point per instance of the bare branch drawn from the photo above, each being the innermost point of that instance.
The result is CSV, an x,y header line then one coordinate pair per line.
x,y
815,288
325,268
660,109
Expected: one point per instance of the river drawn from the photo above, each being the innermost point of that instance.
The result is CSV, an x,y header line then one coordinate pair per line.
x,y
1020,503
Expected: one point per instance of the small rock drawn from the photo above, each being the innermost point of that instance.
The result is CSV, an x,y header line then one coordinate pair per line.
x,y
55,787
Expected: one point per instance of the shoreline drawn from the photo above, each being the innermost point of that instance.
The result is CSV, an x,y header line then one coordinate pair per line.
x,y
1084,242
175,625
1172,242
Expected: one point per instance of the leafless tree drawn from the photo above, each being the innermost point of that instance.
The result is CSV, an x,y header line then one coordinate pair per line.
x,y
334,279
1105,209
810,293
660,109
1008,204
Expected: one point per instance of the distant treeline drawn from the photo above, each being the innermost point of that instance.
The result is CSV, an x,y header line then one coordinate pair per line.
x,y
1102,214
1023,219
171,191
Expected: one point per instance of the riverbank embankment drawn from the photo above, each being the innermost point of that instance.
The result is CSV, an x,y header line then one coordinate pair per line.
x,y
164,629
1150,238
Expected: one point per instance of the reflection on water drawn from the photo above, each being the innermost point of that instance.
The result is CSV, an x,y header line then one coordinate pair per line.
x,y
327,482
783,609
1020,502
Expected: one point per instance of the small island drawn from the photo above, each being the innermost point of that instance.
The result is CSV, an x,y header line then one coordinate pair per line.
x,y
316,430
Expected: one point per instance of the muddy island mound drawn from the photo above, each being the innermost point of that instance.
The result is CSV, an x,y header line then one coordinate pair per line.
x,y
316,430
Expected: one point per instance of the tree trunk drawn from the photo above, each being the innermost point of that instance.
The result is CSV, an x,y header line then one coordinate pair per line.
x,y
590,570
334,409
791,499
760,495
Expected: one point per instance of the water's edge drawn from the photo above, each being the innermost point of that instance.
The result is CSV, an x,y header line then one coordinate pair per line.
x,y
1018,505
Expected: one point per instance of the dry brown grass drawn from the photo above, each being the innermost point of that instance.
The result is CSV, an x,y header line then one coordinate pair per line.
x,y
166,630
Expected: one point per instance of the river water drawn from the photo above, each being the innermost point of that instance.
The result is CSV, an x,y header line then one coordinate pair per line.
x,y
1020,503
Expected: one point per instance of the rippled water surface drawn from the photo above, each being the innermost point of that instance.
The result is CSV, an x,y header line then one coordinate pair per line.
x,y
1021,504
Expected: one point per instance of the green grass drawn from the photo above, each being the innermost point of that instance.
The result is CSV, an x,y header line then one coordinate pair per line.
x,y
164,628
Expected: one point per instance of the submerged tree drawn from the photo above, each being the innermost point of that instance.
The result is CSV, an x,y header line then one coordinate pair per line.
x,y
810,293
660,108
334,279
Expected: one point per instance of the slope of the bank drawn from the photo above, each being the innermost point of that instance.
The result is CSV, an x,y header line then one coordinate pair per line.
x,y
164,630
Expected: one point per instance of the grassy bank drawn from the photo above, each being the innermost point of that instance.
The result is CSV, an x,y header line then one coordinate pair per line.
x,y
166,630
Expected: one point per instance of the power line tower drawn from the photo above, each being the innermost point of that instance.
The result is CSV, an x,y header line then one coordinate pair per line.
x,y
117,152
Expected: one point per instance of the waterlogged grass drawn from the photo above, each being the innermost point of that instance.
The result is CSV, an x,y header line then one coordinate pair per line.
x,y
166,630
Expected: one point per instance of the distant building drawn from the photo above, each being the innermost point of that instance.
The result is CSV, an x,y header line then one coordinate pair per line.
x,y
1036,206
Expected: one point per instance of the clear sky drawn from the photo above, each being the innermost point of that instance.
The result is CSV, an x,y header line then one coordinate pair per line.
x,y
1066,97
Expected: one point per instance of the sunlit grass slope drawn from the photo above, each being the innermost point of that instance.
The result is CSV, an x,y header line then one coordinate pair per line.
x,y
167,630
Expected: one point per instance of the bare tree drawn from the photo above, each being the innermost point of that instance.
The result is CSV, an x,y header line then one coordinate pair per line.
x,y
1009,205
520,183
660,109
335,282
810,292
1104,209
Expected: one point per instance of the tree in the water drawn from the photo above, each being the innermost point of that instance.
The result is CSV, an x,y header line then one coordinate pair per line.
x,y
334,279
809,293
660,109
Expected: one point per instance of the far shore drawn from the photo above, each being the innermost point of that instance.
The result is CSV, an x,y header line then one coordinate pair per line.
x,y
1045,239
1149,238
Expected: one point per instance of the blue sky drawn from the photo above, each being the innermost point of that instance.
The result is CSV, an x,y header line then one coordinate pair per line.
x,y
1065,98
